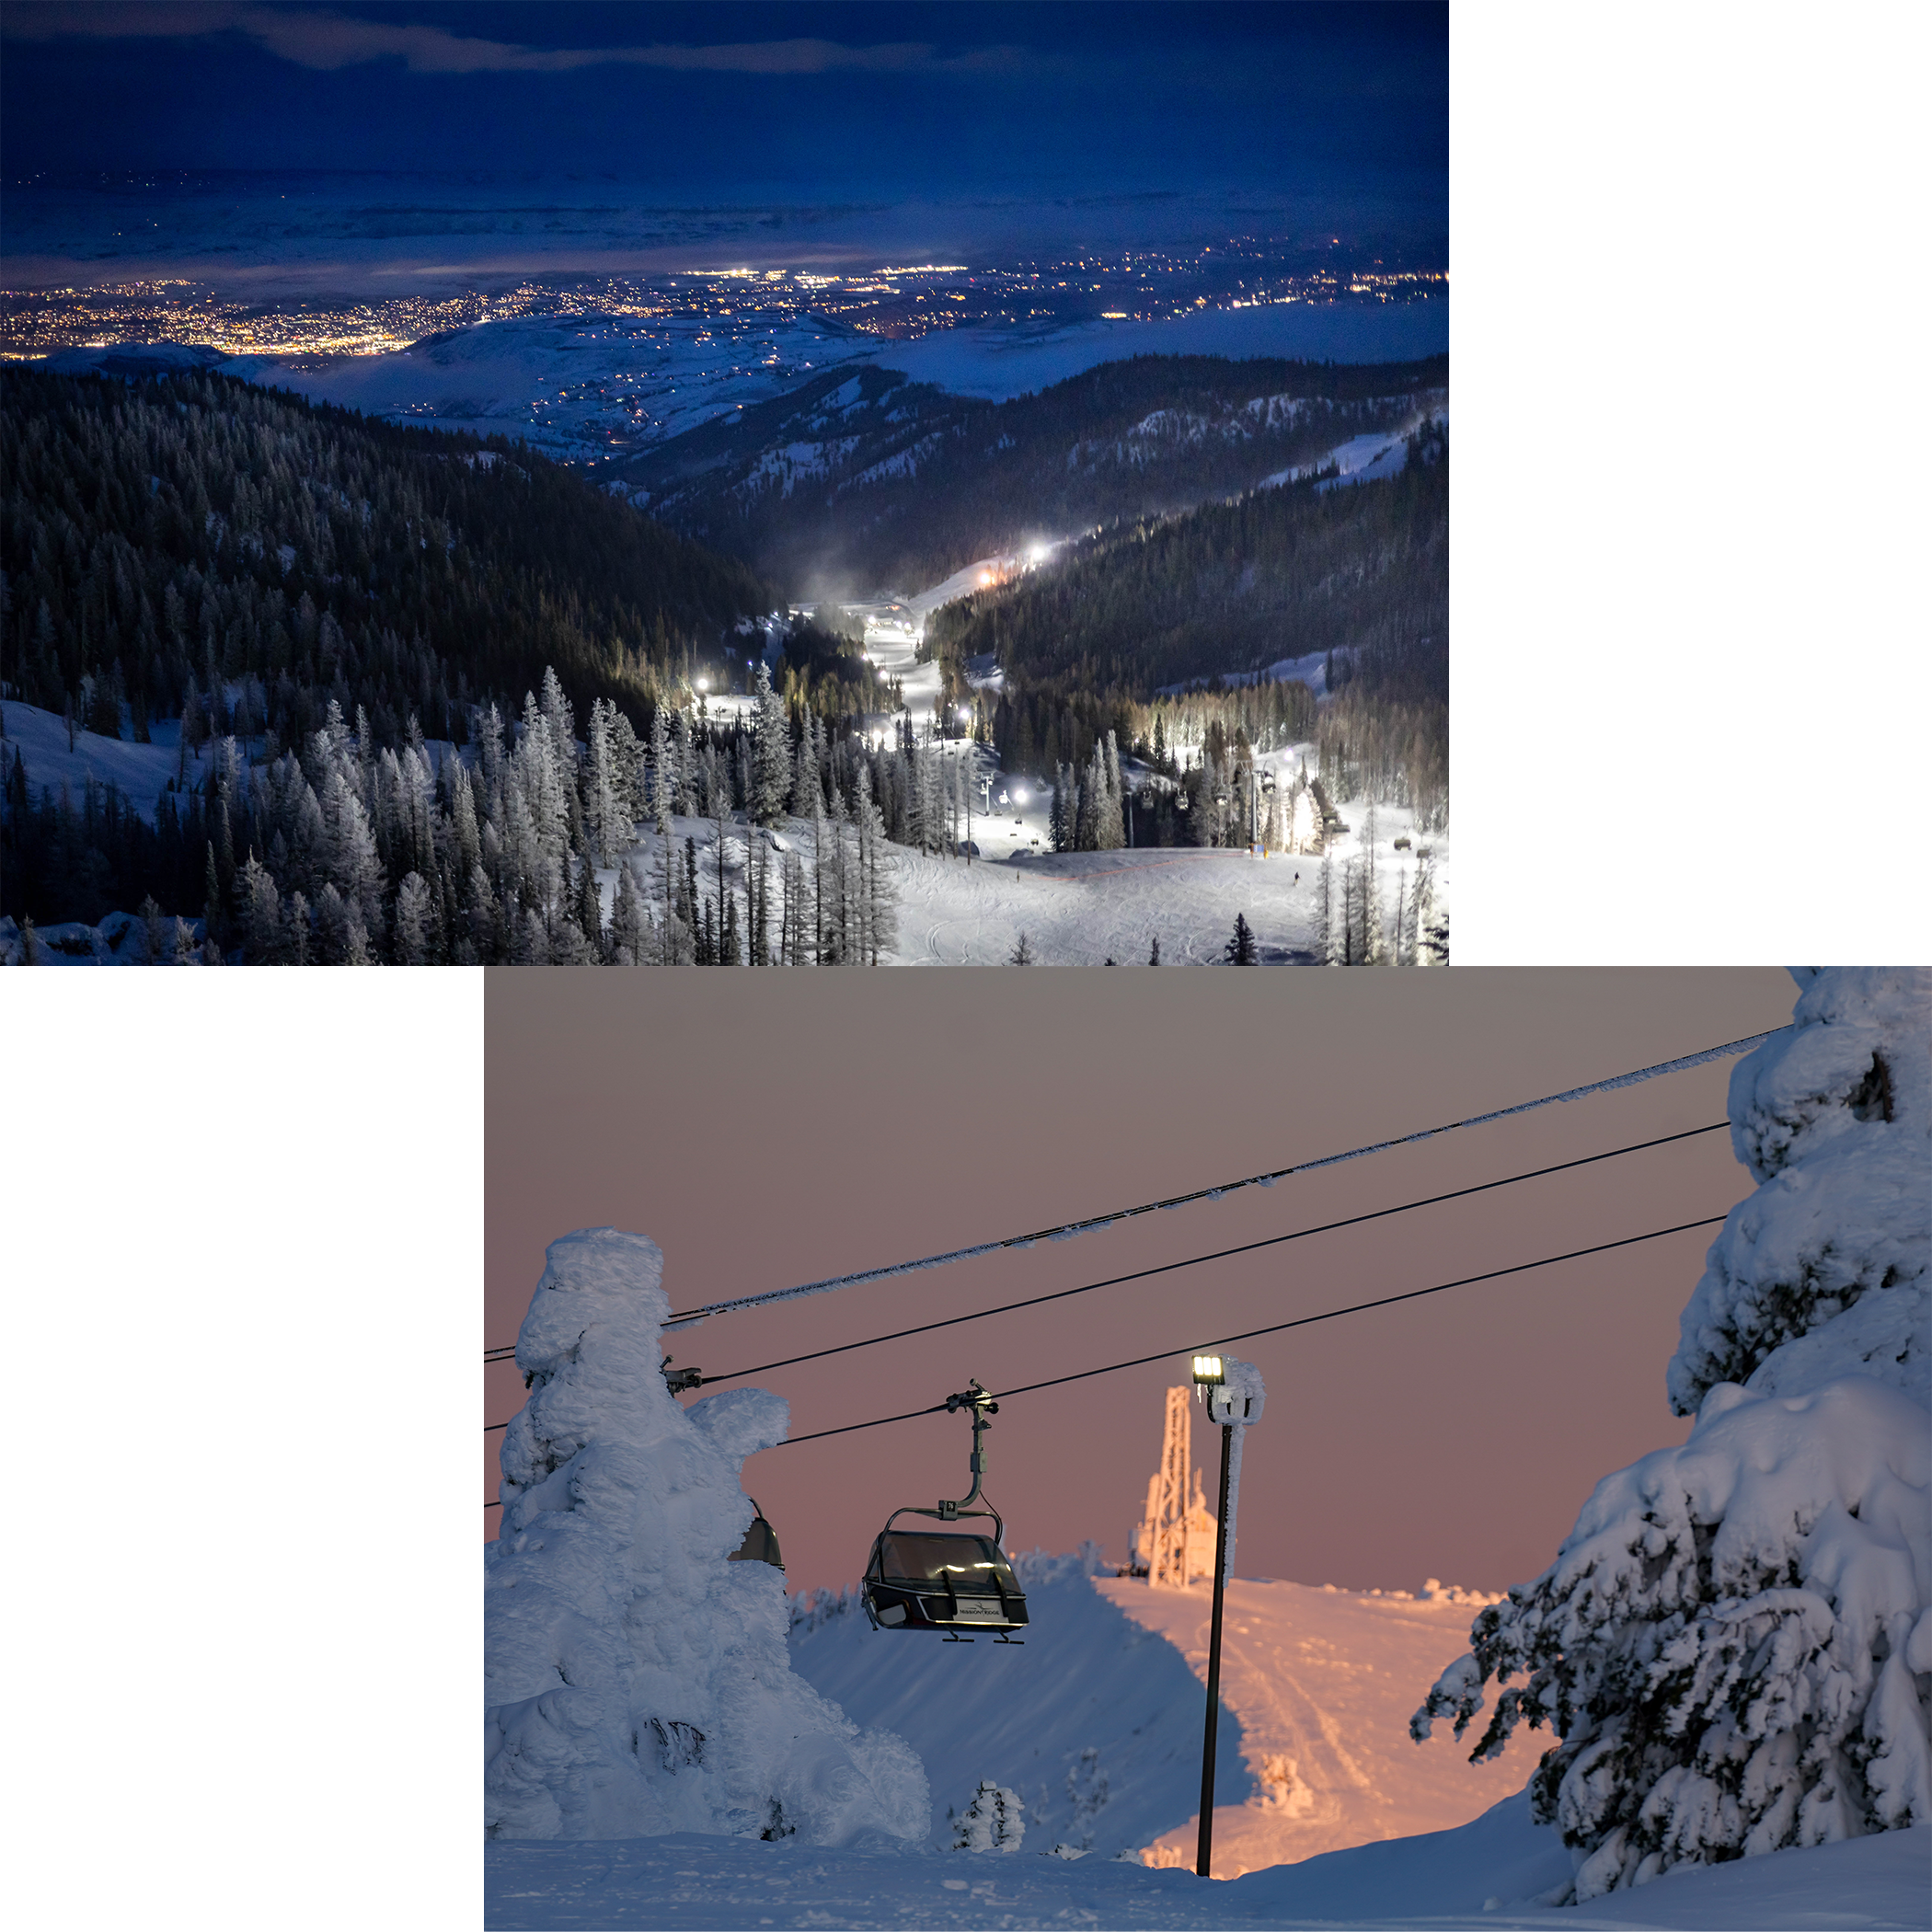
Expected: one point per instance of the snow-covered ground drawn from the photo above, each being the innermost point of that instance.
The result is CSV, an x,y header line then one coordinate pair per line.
x,y
1318,1684
1008,361
1087,1679
140,771
1323,1682
1084,908
1480,1878
1312,670
577,387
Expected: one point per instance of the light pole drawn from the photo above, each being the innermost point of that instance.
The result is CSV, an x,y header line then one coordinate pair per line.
x,y
1233,1393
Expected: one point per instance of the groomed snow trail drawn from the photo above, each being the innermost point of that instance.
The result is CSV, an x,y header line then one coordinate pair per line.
x,y
1322,1682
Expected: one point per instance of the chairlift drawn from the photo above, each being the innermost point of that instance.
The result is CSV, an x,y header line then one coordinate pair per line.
x,y
950,1581
761,1543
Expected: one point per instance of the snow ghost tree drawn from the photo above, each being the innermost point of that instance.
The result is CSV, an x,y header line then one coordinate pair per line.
x,y
1735,1643
638,1681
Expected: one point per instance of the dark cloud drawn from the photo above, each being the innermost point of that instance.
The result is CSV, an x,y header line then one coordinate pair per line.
x,y
324,40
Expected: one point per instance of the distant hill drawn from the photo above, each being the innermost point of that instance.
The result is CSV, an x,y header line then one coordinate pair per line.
x,y
861,482
1230,587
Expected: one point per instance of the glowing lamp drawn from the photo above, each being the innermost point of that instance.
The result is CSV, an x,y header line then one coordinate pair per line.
x,y
1207,1370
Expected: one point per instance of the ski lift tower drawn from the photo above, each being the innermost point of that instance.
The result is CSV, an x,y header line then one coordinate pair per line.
x,y
1233,1393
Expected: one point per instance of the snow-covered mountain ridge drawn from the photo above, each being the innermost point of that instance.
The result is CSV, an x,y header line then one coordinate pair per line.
x,y
864,481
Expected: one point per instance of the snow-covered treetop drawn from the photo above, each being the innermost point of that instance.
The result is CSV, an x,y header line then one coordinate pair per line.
x,y
1823,1270
590,1345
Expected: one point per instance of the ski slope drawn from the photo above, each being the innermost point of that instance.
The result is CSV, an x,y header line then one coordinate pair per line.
x,y
1322,1682
1316,1684
1480,1878
1086,1678
1085,908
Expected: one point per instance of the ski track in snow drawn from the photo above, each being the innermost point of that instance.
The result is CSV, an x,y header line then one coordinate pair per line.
x,y
1323,1683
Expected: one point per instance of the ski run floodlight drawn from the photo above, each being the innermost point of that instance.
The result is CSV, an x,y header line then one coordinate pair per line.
x,y
1207,1370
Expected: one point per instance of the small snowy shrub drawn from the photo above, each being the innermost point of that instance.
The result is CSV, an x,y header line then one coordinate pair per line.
x,y
991,1823
1735,1643
638,1682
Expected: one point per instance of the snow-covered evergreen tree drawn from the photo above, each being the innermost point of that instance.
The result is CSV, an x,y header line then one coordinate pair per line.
x,y
262,929
295,947
879,927
607,793
1374,940
771,751
629,936
1824,1268
1735,1641
412,922
991,1823
662,787
637,1681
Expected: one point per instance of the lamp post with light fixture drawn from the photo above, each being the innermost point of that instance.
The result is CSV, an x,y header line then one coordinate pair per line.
x,y
1233,1394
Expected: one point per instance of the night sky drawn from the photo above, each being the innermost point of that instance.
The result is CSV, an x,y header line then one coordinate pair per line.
x,y
1337,114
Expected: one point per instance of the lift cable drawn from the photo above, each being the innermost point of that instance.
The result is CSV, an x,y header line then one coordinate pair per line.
x,y
1276,1328
1221,1254
1196,1260
1067,1230
1249,1334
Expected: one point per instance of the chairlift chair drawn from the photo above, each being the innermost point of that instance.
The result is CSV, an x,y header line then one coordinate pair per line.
x,y
761,1543
948,1581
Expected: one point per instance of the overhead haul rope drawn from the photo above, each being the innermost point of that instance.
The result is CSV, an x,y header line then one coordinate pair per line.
x,y
1196,1260
1067,1230
1220,1254
1249,1334
1303,1321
